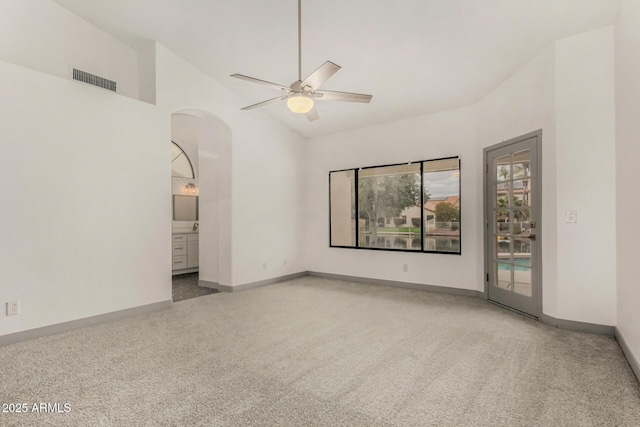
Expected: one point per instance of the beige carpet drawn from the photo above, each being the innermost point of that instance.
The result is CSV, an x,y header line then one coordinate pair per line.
x,y
316,352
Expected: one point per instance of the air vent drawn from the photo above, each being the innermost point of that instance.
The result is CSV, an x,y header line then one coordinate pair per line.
x,y
92,79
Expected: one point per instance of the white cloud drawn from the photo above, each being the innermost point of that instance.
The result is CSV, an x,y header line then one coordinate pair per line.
x,y
442,184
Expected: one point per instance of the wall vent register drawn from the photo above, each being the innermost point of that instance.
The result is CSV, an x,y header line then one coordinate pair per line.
x,y
92,79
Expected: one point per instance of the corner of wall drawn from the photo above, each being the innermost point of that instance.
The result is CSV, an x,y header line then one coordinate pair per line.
x,y
147,73
627,104
585,130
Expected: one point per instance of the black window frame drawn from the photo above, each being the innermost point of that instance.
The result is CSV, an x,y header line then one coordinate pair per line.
x,y
193,171
422,240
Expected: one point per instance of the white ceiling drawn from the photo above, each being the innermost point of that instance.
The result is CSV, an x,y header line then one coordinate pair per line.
x,y
413,56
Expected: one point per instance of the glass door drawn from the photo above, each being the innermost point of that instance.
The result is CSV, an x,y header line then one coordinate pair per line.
x,y
512,210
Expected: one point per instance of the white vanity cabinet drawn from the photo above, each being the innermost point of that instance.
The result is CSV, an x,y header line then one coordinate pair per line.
x,y
193,250
185,252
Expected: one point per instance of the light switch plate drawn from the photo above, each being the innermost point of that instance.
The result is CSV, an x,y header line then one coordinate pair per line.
x,y
572,216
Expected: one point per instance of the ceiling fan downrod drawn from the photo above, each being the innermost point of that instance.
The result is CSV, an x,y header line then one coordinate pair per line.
x,y
299,40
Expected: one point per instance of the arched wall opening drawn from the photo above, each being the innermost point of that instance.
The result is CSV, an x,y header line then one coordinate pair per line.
x,y
207,140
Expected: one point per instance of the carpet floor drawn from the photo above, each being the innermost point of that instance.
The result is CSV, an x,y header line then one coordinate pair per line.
x,y
318,352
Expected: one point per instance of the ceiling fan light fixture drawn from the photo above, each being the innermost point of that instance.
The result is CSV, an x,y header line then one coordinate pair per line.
x,y
300,103
300,94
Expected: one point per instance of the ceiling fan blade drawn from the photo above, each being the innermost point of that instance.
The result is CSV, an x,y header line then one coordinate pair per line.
x,y
312,114
267,102
261,82
330,95
321,75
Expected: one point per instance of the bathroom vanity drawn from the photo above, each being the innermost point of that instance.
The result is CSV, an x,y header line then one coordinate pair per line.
x,y
185,251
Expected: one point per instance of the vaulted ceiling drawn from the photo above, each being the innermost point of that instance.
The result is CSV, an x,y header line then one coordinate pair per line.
x,y
413,56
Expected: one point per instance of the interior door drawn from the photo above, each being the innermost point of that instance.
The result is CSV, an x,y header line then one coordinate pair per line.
x,y
512,223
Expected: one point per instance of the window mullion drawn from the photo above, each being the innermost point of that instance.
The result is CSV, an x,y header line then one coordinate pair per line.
x,y
357,209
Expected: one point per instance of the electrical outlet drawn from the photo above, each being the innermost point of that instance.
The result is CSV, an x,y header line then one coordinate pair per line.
x,y
284,262
264,265
13,308
405,268
572,216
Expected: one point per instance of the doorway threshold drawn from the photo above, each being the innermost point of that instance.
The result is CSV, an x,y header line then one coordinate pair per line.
x,y
530,316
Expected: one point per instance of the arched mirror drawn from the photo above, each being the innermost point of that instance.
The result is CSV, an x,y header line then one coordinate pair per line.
x,y
181,166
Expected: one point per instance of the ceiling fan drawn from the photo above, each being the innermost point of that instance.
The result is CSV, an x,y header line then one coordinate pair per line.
x,y
301,93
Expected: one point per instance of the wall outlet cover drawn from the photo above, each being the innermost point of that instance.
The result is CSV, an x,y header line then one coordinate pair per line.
x,y
13,308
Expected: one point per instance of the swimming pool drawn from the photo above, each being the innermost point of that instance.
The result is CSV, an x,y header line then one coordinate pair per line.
x,y
520,264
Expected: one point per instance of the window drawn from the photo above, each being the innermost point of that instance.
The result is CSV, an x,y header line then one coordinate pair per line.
x,y
385,192
408,207
180,163
343,210
441,179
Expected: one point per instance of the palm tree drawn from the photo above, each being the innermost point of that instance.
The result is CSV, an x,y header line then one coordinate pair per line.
x,y
503,173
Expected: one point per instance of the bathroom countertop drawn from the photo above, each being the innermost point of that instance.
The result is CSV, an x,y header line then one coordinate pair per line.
x,y
184,231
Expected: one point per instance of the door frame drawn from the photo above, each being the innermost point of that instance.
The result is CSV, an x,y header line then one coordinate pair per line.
x,y
538,214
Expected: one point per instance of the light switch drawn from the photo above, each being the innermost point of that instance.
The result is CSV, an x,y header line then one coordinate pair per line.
x,y
572,216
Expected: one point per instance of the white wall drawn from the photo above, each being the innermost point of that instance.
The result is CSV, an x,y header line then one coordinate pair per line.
x,y
627,46
521,104
85,176
567,91
88,233
84,185
445,134
266,221
211,156
42,35
585,174
147,73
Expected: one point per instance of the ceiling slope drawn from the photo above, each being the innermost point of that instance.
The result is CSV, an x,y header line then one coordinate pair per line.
x,y
414,56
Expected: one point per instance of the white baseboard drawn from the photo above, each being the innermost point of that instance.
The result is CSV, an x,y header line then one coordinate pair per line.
x,y
81,323
208,284
74,324
572,325
631,358
251,285
397,284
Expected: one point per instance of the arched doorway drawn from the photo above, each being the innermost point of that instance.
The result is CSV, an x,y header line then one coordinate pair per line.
x,y
207,141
